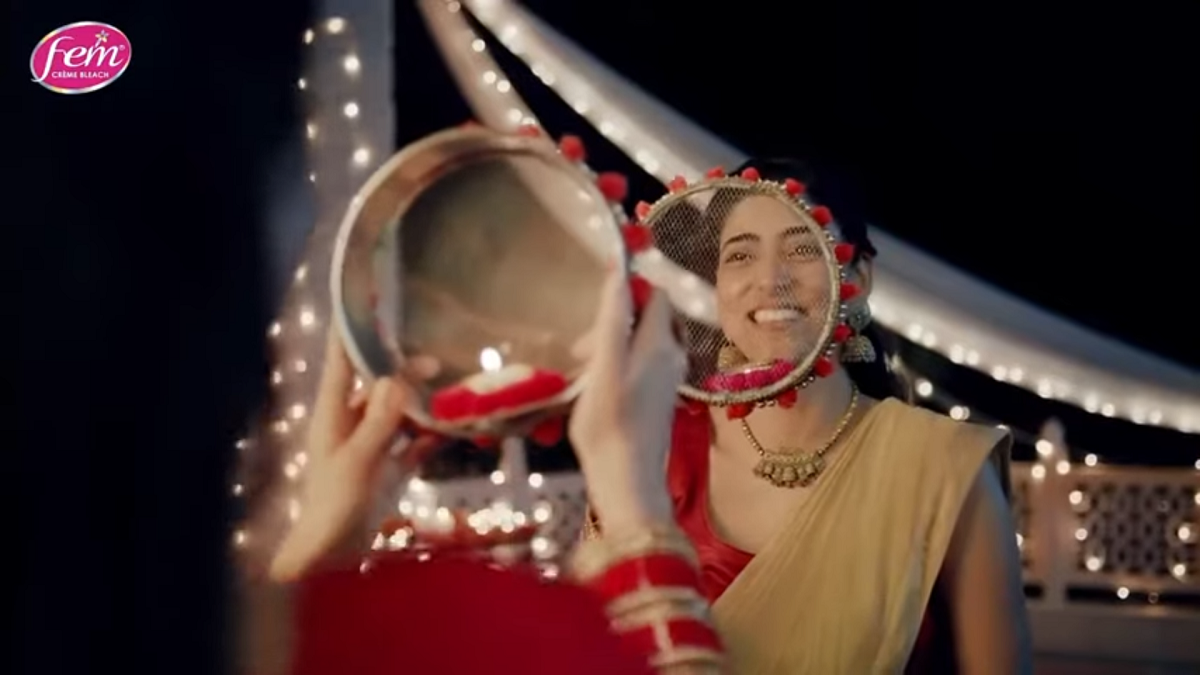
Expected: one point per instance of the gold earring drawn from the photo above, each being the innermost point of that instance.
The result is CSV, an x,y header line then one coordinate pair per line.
x,y
858,349
730,357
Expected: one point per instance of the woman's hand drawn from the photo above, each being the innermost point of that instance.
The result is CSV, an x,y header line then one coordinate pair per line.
x,y
621,424
348,438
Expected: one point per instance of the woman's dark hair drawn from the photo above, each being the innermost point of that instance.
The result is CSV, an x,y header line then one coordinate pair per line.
x,y
875,379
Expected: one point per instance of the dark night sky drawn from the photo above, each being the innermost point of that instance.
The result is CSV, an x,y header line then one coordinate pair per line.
x,y
1050,152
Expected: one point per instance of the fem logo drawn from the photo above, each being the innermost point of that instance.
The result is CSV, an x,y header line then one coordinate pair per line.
x,y
80,57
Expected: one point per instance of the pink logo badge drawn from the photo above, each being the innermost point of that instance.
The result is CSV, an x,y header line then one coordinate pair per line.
x,y
80,57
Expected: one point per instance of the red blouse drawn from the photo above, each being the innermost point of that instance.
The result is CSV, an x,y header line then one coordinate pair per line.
x,y
720,563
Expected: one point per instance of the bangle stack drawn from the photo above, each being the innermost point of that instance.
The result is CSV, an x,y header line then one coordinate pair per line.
x,y
651,589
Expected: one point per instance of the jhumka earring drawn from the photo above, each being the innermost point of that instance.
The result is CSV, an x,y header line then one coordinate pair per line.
x,y
858,349
730,357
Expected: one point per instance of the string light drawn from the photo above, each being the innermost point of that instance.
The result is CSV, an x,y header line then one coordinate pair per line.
x,y
610,113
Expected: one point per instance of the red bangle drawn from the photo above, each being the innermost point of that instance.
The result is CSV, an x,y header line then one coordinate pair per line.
x,y
657,570
661,637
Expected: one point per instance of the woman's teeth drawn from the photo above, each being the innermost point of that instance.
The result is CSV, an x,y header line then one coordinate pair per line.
x,y
775,315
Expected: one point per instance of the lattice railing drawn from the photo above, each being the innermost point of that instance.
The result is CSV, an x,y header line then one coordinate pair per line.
x,y
1087,534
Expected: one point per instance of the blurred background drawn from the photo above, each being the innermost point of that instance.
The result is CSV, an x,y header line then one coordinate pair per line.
x,y
1029,170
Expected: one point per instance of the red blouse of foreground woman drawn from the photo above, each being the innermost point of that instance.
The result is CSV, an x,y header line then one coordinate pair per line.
x,y
449,617
720,563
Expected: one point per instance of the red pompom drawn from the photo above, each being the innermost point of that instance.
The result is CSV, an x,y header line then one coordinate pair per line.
x,y
548,433
637,237
787,399
823,367
715,172
739,411
642,210
694,408
848,291
642,291
613,186
822,215
842,333
751,174
794,187
677,183
529,131
572,148
844,253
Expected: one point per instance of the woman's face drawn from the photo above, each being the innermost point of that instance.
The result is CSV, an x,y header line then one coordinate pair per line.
x,y
773,284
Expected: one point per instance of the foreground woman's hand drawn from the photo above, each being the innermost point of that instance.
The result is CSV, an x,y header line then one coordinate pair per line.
x,y
348,438
621,424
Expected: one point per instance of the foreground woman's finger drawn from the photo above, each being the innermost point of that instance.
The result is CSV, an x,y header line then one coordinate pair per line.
x,y
656,340
610,335
382,419
331,419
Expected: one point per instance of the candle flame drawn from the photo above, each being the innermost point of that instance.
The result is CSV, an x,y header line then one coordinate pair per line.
x,y
490,360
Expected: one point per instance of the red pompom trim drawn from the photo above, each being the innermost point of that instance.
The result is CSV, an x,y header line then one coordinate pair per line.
x,y
642,291
694,408
794,187
848,291
459,402
842,333
529,131
787,399
750,173
637,237
677,183
613,186
715,172
548,433
844,253
739,411
823,367
642,210
822,215
572,148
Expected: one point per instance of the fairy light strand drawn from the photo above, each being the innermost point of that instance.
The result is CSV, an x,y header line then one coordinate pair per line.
x,y
612,112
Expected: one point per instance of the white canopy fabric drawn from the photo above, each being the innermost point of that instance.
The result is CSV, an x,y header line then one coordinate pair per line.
x,y
919,296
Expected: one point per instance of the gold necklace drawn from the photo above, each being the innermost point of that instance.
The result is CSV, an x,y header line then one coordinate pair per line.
x,y
792,467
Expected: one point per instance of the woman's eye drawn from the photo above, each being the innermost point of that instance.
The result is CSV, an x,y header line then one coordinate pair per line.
x,y
806,251
736,256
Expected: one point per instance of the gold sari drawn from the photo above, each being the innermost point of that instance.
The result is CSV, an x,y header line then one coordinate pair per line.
x,y
842,587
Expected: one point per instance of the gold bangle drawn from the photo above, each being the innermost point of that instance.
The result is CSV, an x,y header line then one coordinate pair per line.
x,y
687,655
593,557
640,601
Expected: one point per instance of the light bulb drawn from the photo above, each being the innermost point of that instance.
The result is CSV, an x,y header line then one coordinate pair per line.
x,y
497,478
302,84
924,388
536,480
350,110
478,45
335,25
308,318
309,35
351,65
310,130
361,157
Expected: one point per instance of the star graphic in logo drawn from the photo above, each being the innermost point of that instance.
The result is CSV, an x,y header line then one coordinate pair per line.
x,y
102,36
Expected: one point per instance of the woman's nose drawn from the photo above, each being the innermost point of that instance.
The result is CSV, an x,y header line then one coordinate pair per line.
x,y
774,275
